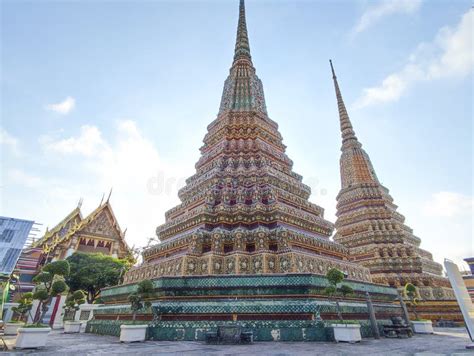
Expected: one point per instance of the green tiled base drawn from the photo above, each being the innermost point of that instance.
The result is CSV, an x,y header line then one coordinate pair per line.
x,y
274,307
232,286
184,331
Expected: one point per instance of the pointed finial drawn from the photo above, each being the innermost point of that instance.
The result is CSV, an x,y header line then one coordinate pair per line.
x,y
242,47
101,200
110,193
79,203
347,132
332,70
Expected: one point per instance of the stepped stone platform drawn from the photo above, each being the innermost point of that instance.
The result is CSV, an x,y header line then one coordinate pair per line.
x,y
289,307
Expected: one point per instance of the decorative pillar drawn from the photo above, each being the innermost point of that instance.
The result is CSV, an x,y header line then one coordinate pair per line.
x,y
115,249
404,308
373,320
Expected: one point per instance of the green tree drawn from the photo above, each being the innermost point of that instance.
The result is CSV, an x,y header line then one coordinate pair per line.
x,y
74,300
138,299
25,303
91,272
335,277
49,284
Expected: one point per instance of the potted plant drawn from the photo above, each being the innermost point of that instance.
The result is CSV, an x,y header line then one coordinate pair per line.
x,y
137,332
49,284
24,306
348,331
420,326
73,301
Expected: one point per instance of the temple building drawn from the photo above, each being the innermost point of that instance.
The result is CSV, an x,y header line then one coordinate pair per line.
x,y
370,226
97,232
244,211
245,245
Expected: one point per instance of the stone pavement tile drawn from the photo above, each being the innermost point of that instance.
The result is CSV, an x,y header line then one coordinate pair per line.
x,y
445,341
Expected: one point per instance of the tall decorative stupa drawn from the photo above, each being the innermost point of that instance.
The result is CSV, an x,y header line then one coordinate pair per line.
x,y
370,226
244,211
245,246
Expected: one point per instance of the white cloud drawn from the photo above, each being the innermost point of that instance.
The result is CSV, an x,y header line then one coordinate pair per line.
x,y
448,55
17,176
378,10
64,107
88,143
448,205
8,140
144,186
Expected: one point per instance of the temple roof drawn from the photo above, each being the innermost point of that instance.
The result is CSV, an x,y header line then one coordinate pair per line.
x,y
65,223
54,237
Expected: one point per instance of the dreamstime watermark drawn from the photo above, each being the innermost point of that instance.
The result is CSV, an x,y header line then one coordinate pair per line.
x,y
163,184
169,185
316,189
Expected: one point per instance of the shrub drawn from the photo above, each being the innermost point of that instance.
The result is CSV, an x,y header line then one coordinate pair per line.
x,y
335,277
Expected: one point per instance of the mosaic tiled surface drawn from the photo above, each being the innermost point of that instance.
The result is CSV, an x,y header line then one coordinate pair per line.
x,y
252,284
369,224
252,307
244,211
263,330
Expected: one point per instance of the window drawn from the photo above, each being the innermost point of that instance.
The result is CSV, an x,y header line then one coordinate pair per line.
x,y
228,247
273,246
7,235
250,247
206,248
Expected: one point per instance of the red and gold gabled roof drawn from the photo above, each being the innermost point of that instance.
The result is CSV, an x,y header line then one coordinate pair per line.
x,y
105,208
73,218
74,223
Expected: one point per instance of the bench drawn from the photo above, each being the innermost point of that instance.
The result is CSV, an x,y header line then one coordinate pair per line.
x,y
229,334
398,329
446,324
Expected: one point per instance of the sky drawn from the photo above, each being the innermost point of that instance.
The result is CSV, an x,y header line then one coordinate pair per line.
x,y
101,95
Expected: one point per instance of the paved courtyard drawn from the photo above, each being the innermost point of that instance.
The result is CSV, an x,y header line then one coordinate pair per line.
x,y
445,341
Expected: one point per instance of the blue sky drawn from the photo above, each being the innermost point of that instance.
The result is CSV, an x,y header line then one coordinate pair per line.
x,y
119,93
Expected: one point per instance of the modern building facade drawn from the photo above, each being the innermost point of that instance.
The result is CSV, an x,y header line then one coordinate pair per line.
x,y
13,236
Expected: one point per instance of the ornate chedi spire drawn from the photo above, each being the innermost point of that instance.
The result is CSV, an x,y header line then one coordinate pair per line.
x,y
242,47
243,90
347,132
244,211
370,226
360,168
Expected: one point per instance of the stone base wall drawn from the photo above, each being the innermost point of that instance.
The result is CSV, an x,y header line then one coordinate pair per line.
x,y
263,330
438,311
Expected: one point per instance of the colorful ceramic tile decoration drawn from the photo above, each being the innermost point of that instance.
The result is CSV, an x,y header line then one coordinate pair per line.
x,y
370,226
244,211
247,246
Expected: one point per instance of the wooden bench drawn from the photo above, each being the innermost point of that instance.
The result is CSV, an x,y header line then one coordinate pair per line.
x,y
398,328
229,334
